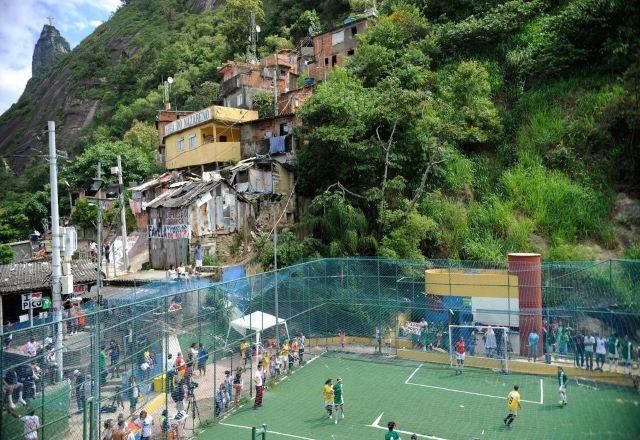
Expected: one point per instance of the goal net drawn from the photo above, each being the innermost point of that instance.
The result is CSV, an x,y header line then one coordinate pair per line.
x,y
485,346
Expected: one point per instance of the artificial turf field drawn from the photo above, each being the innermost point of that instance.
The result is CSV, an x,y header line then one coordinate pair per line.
x,y
431,401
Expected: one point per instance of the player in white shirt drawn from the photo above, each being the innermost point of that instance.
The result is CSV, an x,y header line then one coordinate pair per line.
x,y
601,352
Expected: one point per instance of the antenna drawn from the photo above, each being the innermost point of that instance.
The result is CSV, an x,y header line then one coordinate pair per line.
x,y
167,91
50,18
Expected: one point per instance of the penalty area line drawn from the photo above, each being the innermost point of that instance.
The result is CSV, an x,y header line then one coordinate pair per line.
x,y
467,392
412,374
376,424
268,431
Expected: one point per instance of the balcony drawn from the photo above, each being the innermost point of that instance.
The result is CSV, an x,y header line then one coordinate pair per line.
x,y
228,86
210,152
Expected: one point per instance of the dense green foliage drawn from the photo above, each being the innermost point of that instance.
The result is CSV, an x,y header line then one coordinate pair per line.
x,y
459,129
484,128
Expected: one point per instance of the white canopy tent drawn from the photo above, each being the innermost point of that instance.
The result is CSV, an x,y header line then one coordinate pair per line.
x,y
255,322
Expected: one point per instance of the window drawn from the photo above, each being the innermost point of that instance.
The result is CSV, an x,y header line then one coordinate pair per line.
x,y
240,100
337,38
334,59
180,144
350,52
296,103
192,141
284,129
326,61
223,138
354,31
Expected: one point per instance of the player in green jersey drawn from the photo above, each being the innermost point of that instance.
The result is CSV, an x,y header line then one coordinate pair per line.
x,y
562,389
338,399
392,434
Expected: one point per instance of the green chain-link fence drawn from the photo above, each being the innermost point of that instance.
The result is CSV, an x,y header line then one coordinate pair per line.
x,y
118,353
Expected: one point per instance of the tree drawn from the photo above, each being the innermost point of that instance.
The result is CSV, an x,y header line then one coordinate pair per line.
x,y
206,95
341,229
233,21
143,136
6,254
263,103
273,44
137,164
85,215
289,250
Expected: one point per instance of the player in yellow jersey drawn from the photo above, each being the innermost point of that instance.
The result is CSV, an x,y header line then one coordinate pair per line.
x,y
513,404
327,393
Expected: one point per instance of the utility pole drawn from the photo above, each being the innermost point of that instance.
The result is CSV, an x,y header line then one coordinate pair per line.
x,y
99,276
253,37
56,266
123,218
95,389
275,268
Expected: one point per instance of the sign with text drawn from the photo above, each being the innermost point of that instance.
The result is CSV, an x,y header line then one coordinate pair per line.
x,y
188,121
412,328
31,300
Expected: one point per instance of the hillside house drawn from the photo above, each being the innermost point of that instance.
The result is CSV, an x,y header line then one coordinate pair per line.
x,y
205,139
242,81
333,48
204,211
163,118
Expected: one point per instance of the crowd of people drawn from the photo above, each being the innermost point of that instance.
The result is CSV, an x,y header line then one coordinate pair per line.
x,y
591,350
182,273
273,362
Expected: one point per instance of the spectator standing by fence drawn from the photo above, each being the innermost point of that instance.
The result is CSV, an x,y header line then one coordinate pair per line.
x,y
589,345
534,339
203,357
134,394
178,394
114,355
79,389
578,343
601,352
627,353
614,351
490,343
301,341
259,379
8,334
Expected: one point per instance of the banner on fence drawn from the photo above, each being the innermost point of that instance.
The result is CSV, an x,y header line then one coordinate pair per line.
x,y
412,328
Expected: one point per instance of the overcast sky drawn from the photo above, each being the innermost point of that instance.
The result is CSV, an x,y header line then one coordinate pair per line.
x,y
21,22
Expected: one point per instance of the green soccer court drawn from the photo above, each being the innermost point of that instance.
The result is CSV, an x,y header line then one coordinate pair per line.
x,y
431,401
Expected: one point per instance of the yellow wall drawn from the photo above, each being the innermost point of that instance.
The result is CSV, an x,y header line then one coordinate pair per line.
x,y
478,283
208,147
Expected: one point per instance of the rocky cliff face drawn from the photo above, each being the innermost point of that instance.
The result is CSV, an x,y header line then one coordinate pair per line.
x,y
200,6
49,48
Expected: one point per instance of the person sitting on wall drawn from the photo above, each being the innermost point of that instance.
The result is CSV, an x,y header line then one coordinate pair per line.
x,y
182,271
171,273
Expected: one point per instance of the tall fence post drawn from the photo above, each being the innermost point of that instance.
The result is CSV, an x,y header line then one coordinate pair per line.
x,y
90,402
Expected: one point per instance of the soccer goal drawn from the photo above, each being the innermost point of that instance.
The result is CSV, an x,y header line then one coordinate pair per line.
x,y
485,346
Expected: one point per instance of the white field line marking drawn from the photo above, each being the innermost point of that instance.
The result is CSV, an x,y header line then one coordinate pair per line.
x,y
468,392
412,374
268,431
376,424
541,393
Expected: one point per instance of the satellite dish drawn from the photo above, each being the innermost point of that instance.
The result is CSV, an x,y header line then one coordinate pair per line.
x,y
258,29
170,80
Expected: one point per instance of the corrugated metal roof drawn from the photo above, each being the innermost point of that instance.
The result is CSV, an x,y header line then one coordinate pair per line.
x,y
182,196
31,276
